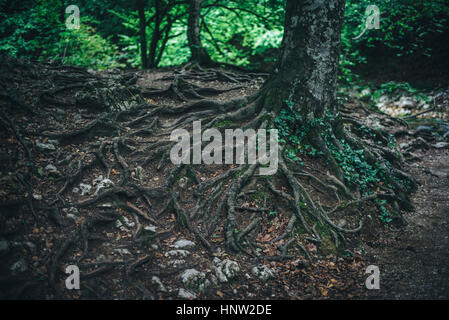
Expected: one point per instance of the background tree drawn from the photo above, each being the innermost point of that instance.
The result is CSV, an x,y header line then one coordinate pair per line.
x,y
199,53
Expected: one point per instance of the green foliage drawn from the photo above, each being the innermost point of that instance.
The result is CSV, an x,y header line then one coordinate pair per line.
x,y
84,47
407,28
239,32
26,33
40,34
293,132
384,215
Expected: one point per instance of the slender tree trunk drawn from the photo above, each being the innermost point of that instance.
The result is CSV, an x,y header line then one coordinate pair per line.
x,y
143,35
199,53
156,36
306,75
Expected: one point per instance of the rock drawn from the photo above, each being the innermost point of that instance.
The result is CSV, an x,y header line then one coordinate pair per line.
x,y
159,285
4,247
72,216
45,146
150,228
195,280
139,173
366,93
382,102
128,223
20,266
177,253
73,210
85,188
118,223
97,180
122,251
183,182
440,145
53,142
105,183
75,190
176,263
51,168
183,244
406,103
263,272
37,197
184,294
226,270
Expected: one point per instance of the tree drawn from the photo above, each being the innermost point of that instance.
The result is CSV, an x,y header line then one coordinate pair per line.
x,y
299,99
142,33
199,53
165,14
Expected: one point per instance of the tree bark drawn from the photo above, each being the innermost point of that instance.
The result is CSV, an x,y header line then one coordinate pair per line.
x,y
156,36
199,53
143,35
306,74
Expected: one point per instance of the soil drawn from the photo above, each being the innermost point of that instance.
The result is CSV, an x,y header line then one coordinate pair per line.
x,y
413,259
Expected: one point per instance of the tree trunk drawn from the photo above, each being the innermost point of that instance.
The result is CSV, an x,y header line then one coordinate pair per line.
x,y
143,35
199,53
156,36
306,75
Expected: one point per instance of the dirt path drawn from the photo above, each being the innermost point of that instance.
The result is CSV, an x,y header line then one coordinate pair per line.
x,y
414,261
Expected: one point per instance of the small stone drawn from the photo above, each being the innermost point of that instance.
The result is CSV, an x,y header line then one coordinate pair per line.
x,y
184,294
441,145
366,93
195,280
263,272
177,262
406,103
72,216
226,270
50,168
122,251
160,286
85,188
75,190
53,142
177,253
73,210
118,223
105,183
139,173
150,228
183,244
37,197
128,223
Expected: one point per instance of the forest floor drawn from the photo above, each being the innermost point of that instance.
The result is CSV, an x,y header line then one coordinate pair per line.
x,y
52,213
